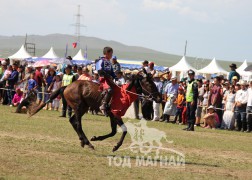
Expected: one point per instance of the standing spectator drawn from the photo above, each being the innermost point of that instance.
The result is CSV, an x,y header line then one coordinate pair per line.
x,y
68,78
116,66
233,73
146,66
200,102
241,99
120,79
180,105
21,75
205,99
156,106
32,84
228,116
28,73
96,77
215,98
152,70
171,91
191,100
234,80
49,78
2,80
38,77
249,109
165,79
85,75
12,81
79,72
55,86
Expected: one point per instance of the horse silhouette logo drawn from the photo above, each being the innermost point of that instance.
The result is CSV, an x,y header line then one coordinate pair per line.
x,y
145,139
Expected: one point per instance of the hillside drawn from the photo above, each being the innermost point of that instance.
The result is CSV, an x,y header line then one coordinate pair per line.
x,y
10,44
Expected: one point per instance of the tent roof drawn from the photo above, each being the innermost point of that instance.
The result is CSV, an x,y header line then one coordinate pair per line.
x,y
212,68
182,65
241,69
20,54
79,56
50,54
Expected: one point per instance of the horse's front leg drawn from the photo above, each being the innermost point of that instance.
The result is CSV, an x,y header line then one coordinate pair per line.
x,y
124,132
113,125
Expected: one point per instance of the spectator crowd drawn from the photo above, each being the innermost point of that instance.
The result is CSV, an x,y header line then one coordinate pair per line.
x,y
224,103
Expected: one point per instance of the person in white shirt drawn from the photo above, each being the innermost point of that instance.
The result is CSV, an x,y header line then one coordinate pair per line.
x,y
156,106
120,79
249,108
146,66
241,99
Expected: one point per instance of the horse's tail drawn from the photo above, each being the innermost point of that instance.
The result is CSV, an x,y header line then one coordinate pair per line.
x,y
55,94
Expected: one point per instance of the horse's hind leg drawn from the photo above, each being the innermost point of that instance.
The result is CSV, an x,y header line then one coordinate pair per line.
x,y
75,120
113,132
119,121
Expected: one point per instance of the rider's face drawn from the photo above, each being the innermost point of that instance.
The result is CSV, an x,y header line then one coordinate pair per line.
x,y
109,55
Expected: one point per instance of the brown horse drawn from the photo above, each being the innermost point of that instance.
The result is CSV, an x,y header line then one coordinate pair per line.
x,y
80,95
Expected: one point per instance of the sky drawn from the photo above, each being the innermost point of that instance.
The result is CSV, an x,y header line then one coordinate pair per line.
x,y
213,28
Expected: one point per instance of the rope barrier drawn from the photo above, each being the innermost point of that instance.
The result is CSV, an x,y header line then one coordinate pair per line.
x,y
6,89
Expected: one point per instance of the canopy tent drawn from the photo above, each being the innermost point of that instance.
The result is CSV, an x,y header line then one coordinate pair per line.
x,y
79,56
21,54
241,69
50,54
213,68
182,66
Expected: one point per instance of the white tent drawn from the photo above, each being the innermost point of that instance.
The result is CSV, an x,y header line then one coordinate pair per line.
x,y
21,54
246,75
182,66
79,56
50,54
213,68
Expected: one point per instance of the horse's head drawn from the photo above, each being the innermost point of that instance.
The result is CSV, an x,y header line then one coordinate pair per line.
x,y
144,84
32,95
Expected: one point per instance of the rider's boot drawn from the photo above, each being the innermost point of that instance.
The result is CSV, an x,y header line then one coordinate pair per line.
x,y
105,103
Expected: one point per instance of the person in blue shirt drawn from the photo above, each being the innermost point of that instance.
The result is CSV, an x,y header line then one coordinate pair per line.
x,y
32,84
106,72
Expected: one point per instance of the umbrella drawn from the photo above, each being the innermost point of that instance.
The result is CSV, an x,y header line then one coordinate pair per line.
x,y
42,63
249,68
199,77
61,61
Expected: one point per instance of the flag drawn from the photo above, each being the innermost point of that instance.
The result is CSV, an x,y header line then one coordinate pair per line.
x,y
66,50
85,53
74,44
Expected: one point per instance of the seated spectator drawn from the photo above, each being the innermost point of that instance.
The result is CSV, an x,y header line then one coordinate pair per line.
x,y
17,97
85,76
211,119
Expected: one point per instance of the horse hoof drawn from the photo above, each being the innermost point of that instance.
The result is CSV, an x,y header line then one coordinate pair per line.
x,y
91,146
82,144
94,138
115,148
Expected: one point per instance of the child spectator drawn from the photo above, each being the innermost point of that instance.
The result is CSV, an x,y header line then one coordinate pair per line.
x,y
180,105
32,84
17,97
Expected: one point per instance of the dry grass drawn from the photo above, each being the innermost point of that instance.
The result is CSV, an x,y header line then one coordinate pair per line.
x,y
46,147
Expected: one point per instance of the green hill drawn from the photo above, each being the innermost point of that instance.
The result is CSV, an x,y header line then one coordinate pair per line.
x,y
10,44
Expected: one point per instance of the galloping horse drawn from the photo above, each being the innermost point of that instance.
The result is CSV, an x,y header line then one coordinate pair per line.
x,y
80,95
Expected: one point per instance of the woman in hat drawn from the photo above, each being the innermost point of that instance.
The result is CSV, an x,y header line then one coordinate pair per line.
x,y
211,118
49,78
233,73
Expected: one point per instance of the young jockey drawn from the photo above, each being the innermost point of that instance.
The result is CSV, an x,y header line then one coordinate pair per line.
x,y
105,70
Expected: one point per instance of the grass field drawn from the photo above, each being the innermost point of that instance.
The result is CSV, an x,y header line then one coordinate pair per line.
x,y
46,147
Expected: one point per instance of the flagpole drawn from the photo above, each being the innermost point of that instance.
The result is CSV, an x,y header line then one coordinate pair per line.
x,y
66,50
